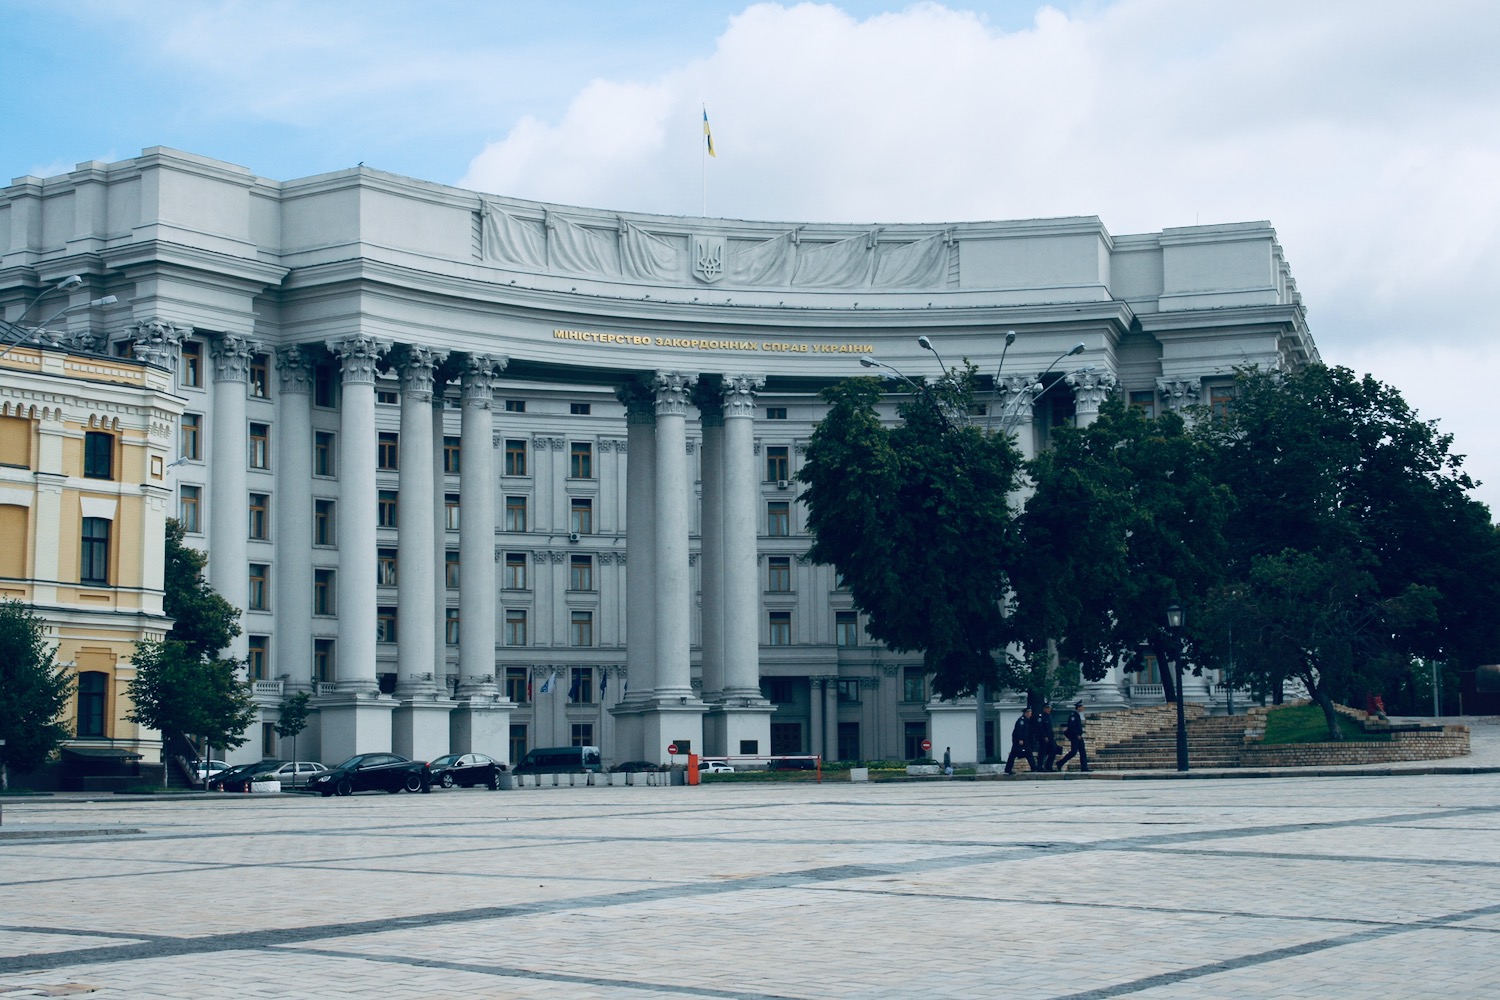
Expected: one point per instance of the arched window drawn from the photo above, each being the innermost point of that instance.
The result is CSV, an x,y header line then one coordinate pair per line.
x,y
92,687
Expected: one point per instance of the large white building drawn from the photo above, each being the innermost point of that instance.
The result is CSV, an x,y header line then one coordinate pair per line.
x,y
492,474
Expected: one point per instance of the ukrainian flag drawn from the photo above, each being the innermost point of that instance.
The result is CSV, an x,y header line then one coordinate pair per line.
x,y
708,136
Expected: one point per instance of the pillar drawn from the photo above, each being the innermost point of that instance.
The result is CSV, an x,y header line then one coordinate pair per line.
x,y
228,493
640,558
293,580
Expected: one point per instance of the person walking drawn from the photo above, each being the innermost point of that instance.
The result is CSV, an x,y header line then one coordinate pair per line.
x,y
1021,737
1073,730
1047,747
947,760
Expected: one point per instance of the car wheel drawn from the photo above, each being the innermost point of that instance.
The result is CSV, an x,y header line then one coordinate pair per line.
x,y
494,781
345,787
413,783
447,781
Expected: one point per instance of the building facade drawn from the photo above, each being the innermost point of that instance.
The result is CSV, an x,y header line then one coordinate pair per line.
x,y
488,474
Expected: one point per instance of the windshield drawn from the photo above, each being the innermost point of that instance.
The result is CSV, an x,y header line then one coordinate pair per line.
x,y
446,760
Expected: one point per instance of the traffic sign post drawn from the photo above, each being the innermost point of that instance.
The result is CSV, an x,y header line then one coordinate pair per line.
x,y
926,746
672,749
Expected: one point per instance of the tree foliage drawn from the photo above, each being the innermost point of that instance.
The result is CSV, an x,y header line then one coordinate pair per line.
x,y
34,692
203,621
915,518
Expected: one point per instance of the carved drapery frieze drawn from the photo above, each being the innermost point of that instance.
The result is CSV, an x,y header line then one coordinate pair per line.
x,y
155,341
692,446
543,443
799,448
557,556
476,379
869,683
1179,394
739,394
1091,389
890,670
417,369
692,558
607,558
615,445
671,390
294,365
359,356
232,354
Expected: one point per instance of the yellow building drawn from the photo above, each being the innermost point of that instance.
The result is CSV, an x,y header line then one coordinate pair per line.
x,y
84,450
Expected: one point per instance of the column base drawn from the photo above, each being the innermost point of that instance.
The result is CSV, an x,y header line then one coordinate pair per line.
x,y
735,724
661,722
353,723
481,725
419,727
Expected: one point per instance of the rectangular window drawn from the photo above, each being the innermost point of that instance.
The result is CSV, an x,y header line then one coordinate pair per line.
x,y
325,386
1220,397
192,436
779,577
255,659
260,375
387,397
776,413
515,513
515,627
323,457
192,363
450,626
98,455
583,734
268,739
518,742
779,518
323,523
1145,401
323,660
260,446
260,595
581,573
325,599
387,451
515,571
515,406
450,569
848,690
913,684
778,464
450,511
190,508
260,517
846,628
581,628
385,624
777,690
452,456
581,516
515,457
581,686
515,685
385,510
580,409
93,565
581,460
385,567
780,628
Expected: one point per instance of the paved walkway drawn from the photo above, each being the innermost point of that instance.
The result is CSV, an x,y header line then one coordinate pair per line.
x,y
1360,885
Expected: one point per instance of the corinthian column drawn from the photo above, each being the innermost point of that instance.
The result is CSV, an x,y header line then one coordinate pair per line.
x,y
1090,390
476,527
741,579
640,575
1179,394
711,534
155,341
416,628
294,580
673,584
228,496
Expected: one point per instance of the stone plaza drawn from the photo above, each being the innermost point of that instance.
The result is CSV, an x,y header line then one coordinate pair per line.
x,y
1375,883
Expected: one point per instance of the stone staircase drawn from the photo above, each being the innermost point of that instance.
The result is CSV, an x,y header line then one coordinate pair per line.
x,y
1213,741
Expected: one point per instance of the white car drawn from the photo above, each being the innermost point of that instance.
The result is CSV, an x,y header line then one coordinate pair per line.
x,y
208,768
714,767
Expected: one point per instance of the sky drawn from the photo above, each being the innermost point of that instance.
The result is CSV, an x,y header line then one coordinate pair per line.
x,y
1367,132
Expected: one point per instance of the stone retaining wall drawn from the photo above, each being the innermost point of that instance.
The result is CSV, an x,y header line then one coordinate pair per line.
x,y
1425,742
1113,728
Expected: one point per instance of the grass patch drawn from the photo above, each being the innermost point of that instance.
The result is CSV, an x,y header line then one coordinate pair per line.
x,y
1306,724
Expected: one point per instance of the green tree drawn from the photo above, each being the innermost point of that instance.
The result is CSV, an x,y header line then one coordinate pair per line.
x,y
33,692
1126,519
916,519
202,620
293,718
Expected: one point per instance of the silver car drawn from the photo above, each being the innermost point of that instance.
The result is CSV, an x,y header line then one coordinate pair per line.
x,y
292,773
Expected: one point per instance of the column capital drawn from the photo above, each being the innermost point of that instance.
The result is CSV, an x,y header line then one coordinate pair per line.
x,y
295,366
156,340
232,354
671,390
477,377
1091,389
1016,395
739,394
359,355
1179,393
640,406
417,367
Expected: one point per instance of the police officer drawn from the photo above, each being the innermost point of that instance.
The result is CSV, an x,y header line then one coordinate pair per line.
x,y
1021,738
1073,730
1047,747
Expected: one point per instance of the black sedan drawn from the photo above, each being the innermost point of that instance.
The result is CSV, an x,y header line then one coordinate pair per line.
x,y
466,770
374,772
237,779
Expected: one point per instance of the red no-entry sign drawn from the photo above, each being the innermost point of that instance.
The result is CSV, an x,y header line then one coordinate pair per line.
x,y
926,745
671,748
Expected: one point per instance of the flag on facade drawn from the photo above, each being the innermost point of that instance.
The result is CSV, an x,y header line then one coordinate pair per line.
x,y
708,136
603,685
573,688
547,684
529,676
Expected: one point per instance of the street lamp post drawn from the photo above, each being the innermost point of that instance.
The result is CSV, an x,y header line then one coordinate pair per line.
x,y
1174,625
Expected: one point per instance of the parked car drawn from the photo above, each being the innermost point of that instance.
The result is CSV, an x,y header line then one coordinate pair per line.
x,y
714,767
237,779
208,768
793,764
466,770
291,773
634,766
374,771
560,760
